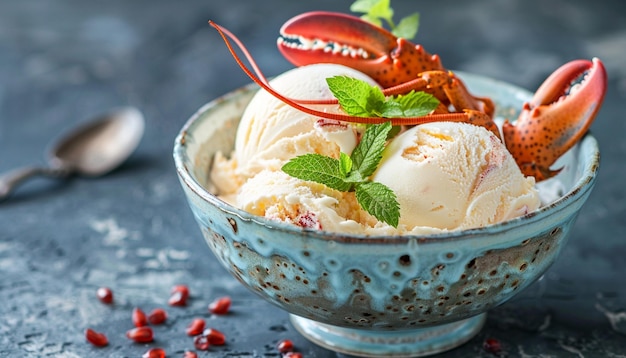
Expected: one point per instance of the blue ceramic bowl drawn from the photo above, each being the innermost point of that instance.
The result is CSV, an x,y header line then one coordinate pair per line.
x,y
380,296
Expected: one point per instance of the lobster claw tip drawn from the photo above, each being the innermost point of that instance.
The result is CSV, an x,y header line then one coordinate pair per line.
x,y
557,117
577,80
323,36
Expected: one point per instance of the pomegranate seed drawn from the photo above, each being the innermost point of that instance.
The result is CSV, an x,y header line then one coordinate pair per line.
x,y
154,353
180,288
220,305
492,345
190,354
177,299
139,318
292,355
195,327
284,346
105,295
214,336
201,343
179,295
95,338
140,334
157,316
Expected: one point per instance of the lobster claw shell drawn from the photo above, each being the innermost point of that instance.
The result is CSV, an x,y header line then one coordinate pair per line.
x,y
321,36
330,37
557,117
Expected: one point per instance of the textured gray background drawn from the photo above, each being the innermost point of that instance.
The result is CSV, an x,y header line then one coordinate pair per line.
x,y
62,62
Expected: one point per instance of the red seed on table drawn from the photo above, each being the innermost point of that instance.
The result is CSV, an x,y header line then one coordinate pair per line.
x,y
179,295
180,288
284,346
220,305
140,334
195,327
157,316
154,353
139,318
105,295
492,345
201,343
96,338
177,299
190,354
214,336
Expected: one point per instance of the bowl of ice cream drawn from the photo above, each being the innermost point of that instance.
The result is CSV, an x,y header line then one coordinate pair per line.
x,y
375,293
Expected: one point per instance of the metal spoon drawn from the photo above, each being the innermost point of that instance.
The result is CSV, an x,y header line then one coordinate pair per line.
x,y
91,150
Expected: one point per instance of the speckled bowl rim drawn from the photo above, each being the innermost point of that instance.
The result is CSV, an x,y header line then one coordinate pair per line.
x,y
579,189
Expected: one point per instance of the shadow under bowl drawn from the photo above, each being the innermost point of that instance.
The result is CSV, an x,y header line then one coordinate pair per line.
x,y
380,296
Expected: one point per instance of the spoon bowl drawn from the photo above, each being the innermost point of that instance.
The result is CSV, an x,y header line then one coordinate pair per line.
x,y
100,146
92,149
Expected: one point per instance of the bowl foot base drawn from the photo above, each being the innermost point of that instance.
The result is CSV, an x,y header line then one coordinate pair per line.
x,y
417,342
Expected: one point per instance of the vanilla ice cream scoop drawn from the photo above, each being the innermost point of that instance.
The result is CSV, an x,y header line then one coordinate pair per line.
x,y
278,196
271,132
454,176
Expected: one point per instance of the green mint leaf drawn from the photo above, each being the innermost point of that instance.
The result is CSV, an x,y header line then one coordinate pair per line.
x,y
368,153
357,98
408,26
412,104
380,201
345,164
382,10
392,109
376,100
363,6
352,97
417,104
377,11
374,11
318,168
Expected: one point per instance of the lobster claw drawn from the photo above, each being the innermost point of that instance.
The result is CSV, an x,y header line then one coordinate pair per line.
x,y
557,117
320,36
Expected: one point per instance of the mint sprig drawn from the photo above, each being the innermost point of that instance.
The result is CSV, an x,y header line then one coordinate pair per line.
x,y
350,173
360,99
379,11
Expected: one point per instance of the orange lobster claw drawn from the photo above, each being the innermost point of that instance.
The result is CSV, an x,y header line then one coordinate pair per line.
x,y
320,36
557,117
395,63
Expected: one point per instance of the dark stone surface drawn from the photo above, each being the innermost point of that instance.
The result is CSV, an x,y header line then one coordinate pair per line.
x,y
62,62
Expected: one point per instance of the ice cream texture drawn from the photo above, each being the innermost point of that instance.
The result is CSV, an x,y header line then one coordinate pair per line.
x,y
447,176
271,132
450,175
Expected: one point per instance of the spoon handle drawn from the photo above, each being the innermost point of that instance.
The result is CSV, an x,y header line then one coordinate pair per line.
x,y
10,180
